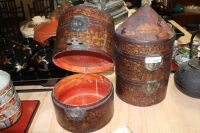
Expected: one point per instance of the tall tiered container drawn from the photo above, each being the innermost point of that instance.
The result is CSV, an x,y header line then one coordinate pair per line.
x,y
143,57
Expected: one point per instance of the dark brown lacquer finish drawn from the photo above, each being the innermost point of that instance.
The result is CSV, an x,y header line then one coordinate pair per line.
x,y
85,40
143,57
83,102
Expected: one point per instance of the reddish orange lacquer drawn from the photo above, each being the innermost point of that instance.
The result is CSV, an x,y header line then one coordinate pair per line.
x,y
82,89
46,30
83,61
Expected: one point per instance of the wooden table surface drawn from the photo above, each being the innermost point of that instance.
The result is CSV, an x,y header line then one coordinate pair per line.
x,y
177,113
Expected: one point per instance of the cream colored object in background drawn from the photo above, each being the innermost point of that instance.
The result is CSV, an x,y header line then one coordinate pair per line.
x,y
27,30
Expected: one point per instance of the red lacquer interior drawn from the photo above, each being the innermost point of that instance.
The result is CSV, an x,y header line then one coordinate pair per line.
x,y
82,89
83,61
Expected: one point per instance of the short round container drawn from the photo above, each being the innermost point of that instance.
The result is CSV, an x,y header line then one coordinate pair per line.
x,y
10,105
83,102
85,40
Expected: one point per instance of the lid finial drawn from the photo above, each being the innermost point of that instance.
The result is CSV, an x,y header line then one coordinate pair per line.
x,y
146,2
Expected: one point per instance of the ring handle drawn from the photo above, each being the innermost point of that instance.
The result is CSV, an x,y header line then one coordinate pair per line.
x,y
191,43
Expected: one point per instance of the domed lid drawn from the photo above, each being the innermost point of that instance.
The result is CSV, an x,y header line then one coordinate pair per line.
x,y
45,30
78,45
4,79
145,25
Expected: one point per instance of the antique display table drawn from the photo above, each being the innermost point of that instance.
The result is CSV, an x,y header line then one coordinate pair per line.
x,y
177,113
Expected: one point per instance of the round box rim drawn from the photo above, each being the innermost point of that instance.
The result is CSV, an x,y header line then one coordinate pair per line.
x,y
87,106
59,60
